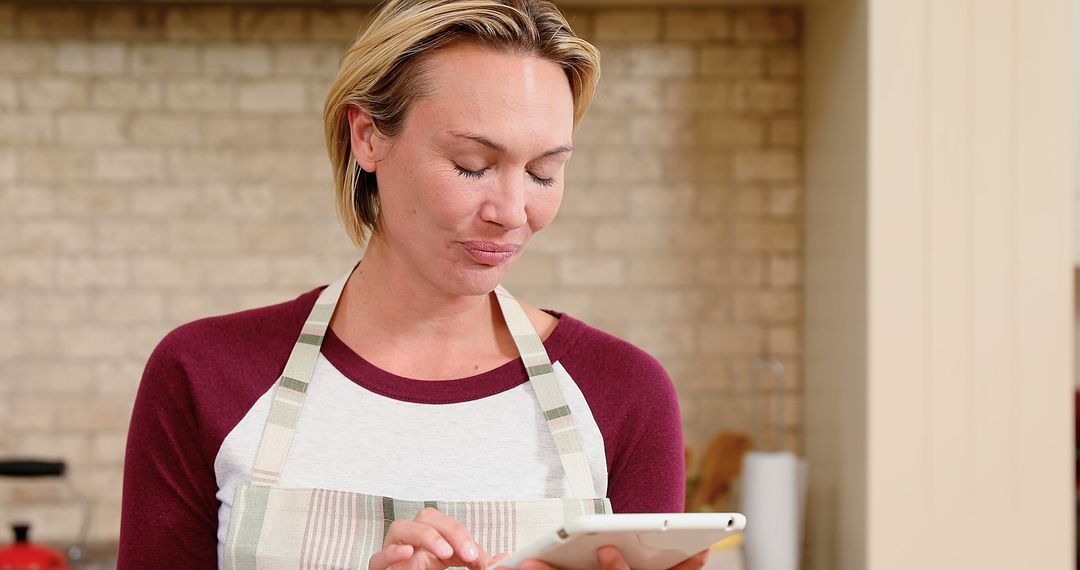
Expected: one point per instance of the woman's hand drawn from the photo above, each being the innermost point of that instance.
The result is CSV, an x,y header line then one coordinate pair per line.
x,y
431,541
610,558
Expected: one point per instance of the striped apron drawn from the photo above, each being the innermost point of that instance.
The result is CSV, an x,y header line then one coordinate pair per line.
x,y
273,527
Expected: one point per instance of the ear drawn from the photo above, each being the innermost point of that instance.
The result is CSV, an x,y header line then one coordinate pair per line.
x,y
363,138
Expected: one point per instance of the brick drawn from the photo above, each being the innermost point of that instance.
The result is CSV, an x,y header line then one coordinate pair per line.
x,y
276,237
54,164
620,166
243,60
26,128
582,22
786,340
733,61
750,201
785,62
627,25
164,59
563,236
271,166
238,272
594,202
766,96
199,165
57,308
592,270
239,200
304,132
9,95
652,303
118,22
27,200
785,131
729,268
92,271
127,164
128,308
767,25
661,339
91,58
7,167
130,235
26,56
52,237
771,165
304,270
337,23
272,95
650,61
158,129
698,24
44,21
662,269
696,95
533,270
93,128
200,93
185,307
671,201
22,271
659,236
186,22
272,23
91,200
620,94
785,202
664,131
767,306
707,166
733,131
109,448
730,339
168,272
93,414
752,236
53,93
226,130
126,94
7,21
785,271
307,59
202,237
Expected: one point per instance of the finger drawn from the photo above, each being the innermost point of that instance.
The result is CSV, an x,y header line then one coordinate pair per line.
x,y
461,540
695,562
389,556
610,558
419,535
535,565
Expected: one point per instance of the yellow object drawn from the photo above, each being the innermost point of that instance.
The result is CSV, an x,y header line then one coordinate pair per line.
x,y
733,541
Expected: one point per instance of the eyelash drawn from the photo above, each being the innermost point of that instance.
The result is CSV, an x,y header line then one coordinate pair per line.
x,y
480,173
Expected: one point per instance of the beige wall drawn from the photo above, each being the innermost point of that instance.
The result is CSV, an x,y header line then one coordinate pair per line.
x,y
159,163
939,355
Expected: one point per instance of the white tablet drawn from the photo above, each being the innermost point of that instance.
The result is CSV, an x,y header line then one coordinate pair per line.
x,y
646,541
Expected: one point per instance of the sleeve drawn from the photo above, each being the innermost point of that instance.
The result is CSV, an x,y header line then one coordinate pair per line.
x,y
169,510
648,474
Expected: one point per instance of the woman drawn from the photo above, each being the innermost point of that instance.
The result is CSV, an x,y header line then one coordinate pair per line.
x,y
301,435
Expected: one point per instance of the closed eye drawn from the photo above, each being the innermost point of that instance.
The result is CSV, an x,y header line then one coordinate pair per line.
x,y
480,174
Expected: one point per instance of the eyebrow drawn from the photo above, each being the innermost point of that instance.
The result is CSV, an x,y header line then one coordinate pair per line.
x,y
496,146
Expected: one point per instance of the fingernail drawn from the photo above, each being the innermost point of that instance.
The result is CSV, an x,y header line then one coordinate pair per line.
x,y
471,553
444,549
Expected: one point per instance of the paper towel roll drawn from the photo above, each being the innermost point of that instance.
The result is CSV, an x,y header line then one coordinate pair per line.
x,y
773,495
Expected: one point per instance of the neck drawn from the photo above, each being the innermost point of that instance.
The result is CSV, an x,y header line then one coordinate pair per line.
x,y
387,297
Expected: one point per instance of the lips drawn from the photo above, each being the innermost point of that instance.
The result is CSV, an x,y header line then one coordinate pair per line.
x,y
489,253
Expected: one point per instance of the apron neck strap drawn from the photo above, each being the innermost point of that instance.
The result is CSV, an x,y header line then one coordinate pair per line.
x,y
289,392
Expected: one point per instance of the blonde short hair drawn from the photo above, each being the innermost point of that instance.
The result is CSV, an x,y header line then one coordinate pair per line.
x,y
383,74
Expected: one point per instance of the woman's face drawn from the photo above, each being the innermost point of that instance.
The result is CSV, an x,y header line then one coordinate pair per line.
x,y
477,169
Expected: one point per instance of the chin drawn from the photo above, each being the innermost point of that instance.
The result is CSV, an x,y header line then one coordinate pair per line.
x,y
475,279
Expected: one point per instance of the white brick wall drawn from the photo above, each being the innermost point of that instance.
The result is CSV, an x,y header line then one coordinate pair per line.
x,y
163,162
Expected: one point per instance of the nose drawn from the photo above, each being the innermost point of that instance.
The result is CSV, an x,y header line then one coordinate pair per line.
x,y
505,204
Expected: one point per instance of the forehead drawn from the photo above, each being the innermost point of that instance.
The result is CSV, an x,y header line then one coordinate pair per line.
x,y
475,88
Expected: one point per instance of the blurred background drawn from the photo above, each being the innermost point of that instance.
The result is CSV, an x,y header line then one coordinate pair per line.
x,y
845,228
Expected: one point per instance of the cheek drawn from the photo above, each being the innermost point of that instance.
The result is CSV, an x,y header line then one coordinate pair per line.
x,y
542,207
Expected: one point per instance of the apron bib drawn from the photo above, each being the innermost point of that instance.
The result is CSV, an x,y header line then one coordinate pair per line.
x,y
273,527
